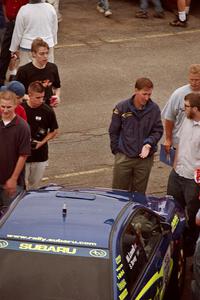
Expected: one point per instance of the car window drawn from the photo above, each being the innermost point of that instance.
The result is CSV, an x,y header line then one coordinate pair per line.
x,y
139,241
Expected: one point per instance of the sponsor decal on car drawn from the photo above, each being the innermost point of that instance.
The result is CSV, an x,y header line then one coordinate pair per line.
x,y
50,240
3,244
174,222
98,253
121,282
161,276
55,249
47,248
132,256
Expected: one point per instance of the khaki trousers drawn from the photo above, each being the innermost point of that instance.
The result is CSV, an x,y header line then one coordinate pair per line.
x,y
131,174
34,174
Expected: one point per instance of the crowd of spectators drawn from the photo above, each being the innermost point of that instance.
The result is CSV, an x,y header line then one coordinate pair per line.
x,y
29,98
181,9
28,34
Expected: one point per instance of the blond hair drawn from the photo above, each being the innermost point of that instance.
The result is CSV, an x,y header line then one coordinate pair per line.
x,y
195,69
9,96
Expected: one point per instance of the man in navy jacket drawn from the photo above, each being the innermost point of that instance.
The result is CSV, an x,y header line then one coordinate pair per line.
x,y
135,130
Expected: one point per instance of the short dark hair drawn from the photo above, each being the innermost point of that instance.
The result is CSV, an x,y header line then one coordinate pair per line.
x,y
36,86
143,82
37,43
193,99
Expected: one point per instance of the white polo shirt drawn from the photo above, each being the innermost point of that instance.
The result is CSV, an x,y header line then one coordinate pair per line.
x,y
189,149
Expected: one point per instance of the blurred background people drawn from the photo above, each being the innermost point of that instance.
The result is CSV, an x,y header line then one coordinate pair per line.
x,y
143,12
55,4
10,10
103,7
2,23
35,19
183,7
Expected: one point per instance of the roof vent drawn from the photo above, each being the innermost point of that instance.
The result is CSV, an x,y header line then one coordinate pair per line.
x,y
76,195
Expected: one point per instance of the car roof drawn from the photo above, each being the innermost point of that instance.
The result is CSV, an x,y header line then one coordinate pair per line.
x,y
90,215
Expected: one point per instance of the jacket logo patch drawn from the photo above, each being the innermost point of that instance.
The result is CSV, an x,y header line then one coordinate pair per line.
x,y
127,114
116,111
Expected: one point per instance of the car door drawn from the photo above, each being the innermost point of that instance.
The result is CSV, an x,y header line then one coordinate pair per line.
x,y
145,255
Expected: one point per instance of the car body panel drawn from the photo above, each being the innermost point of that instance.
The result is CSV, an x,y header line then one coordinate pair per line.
x,y
45,218
129,235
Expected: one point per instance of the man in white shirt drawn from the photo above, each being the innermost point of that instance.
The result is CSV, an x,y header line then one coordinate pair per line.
x,y
173,112
181,183
55,4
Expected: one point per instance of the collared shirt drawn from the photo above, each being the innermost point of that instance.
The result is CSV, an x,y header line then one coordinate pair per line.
x,y
14,142
189,149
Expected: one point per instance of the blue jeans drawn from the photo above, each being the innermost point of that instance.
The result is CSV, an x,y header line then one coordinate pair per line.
x,y
104,4
144,4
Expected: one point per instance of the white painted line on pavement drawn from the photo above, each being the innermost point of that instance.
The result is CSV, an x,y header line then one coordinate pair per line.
x,y
93,171
67,175
112,41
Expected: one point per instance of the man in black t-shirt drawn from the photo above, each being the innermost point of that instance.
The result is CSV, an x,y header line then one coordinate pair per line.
x,y
14,149
44,127
41,70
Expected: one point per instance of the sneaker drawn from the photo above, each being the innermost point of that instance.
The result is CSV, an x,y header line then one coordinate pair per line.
x,y
141,14
178,23
187,16
108,13
100,9
159,15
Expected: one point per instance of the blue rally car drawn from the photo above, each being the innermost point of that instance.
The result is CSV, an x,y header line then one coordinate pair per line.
x,y
90,244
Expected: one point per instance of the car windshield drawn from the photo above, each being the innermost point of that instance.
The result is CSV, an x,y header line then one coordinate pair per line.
x,y
48,276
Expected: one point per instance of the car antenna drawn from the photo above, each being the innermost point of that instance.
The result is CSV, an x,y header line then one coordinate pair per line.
x,y
64,211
